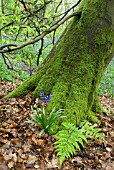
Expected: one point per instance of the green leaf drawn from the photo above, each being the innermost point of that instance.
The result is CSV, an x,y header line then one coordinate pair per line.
x,y
32,122
41,132
43,119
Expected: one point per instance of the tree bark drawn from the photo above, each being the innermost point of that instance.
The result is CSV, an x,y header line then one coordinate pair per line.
x,y
74,68
2,6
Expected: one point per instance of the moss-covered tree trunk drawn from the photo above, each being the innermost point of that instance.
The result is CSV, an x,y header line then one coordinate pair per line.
x,y
73,70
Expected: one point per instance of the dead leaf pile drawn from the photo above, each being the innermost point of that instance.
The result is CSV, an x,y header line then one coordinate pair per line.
x,y
21,148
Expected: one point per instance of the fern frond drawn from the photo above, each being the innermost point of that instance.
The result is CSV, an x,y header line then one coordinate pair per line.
x,y
67,142
72,138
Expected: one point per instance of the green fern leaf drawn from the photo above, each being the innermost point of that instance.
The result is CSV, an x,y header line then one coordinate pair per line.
x,y
72,137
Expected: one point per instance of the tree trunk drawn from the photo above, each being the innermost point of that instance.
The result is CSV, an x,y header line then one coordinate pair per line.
x,y
73,70
2,6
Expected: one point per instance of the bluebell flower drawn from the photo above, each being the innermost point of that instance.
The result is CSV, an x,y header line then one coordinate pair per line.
x,y
41,94
48,98
45,100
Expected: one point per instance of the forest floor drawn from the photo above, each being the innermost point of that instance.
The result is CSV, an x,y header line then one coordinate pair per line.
x,y
21,148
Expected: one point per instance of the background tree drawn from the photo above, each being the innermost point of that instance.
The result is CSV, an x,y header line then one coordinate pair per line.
x,y
2,6
26,20
73,69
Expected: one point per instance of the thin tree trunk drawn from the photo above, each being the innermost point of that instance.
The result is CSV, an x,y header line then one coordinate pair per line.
x,y
2,6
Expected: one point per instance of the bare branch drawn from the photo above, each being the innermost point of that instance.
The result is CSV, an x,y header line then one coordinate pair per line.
x,y
29,15
47,31
8,46
66,12
24,5
6,25
54,37
58,6
2,6
40,51
9,66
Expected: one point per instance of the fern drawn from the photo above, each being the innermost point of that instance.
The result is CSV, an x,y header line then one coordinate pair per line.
x,y
68,139
71,138
90,130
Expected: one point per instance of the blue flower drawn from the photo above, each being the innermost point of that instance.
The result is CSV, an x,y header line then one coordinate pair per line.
x,y
48,98
41,94
45,100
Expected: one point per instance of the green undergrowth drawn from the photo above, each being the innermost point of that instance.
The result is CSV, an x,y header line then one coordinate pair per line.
x,y
11,75
106,85
107,82
45,120
69,137
72,138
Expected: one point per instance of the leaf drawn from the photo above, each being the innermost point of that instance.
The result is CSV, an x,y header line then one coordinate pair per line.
x,y
32,122
32,159
11,165
44,120
41,132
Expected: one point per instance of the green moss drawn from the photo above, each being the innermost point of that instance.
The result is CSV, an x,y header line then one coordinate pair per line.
x,y
27,86
92,117
22,90
75,66
96,107
59,96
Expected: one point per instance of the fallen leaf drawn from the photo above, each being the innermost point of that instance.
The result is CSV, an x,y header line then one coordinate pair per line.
x,y
32,159
11,165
